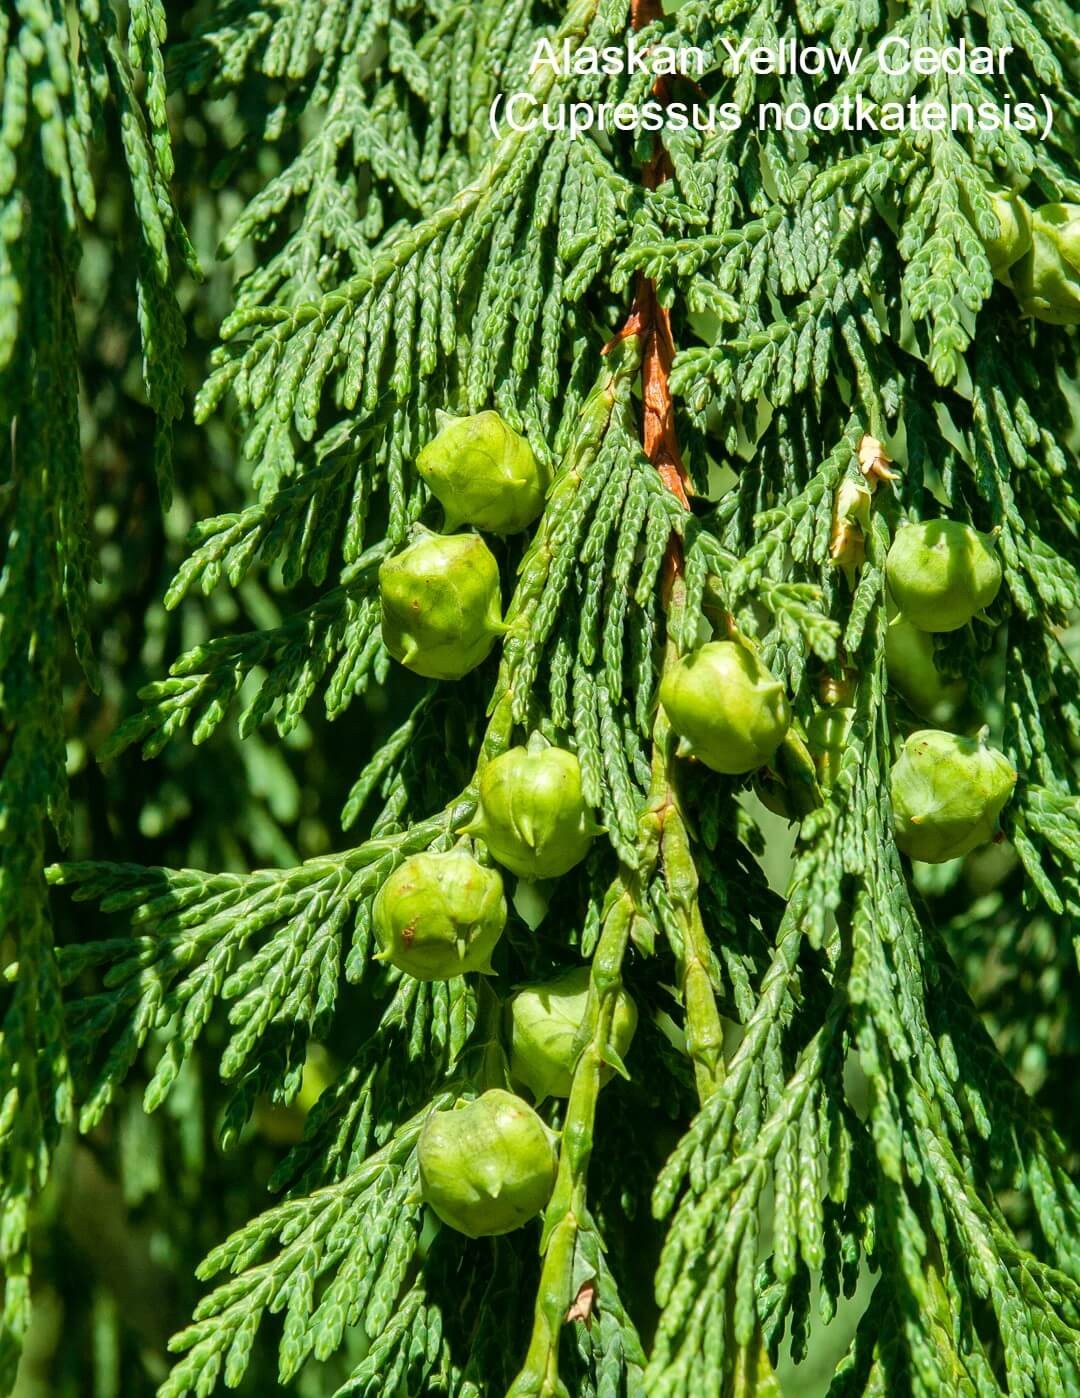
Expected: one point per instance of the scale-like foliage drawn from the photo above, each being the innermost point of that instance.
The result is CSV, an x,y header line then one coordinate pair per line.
x,y
814,1106
71,79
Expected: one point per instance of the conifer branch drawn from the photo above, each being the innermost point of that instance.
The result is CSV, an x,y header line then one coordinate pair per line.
x,y
803,308
64,73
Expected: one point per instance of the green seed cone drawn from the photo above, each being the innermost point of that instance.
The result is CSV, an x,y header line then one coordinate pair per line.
x,y
1010,217
909,658
440,915
544,1024
532,814
728,708
486,1166
483,473
1047,280
441,608
941,573
947,794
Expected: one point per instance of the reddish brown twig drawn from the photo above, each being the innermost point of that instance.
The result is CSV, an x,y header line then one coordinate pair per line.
x,y
651,323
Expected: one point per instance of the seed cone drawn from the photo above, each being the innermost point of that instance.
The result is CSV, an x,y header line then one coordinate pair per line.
x,y
532,814
486,1166
1047,280
947,794
941,573
1013,236
913,673
483,473
440,915
441,608
728,708
544,1024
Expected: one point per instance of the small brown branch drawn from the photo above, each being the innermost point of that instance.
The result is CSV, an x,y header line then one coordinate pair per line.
x,y
646,12
659,436
651,323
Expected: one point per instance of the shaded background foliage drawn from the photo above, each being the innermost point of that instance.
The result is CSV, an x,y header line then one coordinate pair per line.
x,y
132,1208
